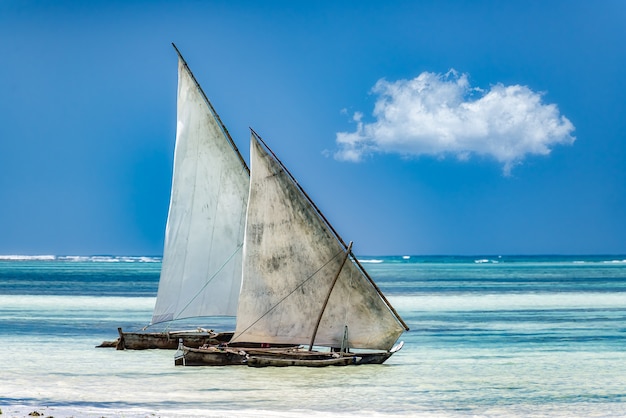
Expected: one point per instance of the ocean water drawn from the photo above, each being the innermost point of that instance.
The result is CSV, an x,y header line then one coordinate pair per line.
x,y
490,336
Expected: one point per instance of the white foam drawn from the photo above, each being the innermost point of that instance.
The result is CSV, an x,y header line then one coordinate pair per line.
x,y
82,258
615,262
485,260
373,261
27,257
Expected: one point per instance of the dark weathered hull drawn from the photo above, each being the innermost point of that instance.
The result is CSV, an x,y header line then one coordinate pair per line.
x,y
261,361
166,340
374,358
212,356
235,354
307,359
276,357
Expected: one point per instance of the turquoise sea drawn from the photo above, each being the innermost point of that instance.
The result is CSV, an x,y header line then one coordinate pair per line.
x,y
491,336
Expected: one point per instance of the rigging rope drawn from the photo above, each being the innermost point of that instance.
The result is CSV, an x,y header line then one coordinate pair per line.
x,y
211,278
290,293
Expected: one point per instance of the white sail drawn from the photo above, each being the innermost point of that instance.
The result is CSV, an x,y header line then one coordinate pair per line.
x,y
201,270
291,257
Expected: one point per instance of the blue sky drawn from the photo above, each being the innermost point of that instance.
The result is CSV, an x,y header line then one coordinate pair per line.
x,y
418,127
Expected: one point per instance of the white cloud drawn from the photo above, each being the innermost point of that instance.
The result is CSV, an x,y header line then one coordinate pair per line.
x,y
441,114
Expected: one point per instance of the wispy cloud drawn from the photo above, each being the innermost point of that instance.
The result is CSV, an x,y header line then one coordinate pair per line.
x,y
441,114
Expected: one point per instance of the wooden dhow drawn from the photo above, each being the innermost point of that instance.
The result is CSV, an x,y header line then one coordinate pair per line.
x,y
202,255
301,285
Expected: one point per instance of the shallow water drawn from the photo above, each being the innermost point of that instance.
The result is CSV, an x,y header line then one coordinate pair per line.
x,y
520,337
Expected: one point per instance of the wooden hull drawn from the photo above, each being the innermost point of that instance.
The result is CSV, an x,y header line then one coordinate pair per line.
x,y
374,358
317,360
301,362
166,340
235,354
274,357
212,356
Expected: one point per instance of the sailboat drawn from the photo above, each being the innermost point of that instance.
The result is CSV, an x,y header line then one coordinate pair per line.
x,y
301,285
202,256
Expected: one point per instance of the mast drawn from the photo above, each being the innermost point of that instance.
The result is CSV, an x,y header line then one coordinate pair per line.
x,y
332,285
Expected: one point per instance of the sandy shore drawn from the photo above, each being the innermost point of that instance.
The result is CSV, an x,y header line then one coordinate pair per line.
x,y
28,411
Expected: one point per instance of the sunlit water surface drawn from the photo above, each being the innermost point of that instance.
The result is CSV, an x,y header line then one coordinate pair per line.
x,y
490,336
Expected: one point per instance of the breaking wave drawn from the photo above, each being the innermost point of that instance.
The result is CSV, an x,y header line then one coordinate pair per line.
x,y
80,258
372,260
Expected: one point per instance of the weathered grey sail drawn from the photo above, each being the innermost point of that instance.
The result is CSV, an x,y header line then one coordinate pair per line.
x,y
291,257
202,257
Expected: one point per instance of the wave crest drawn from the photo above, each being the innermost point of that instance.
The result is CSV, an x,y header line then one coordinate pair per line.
x,y
81,258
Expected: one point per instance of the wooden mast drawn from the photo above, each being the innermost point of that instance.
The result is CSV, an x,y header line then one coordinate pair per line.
x,y
319,318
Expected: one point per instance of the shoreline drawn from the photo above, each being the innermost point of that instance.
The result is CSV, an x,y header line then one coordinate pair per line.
x,y
68,411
